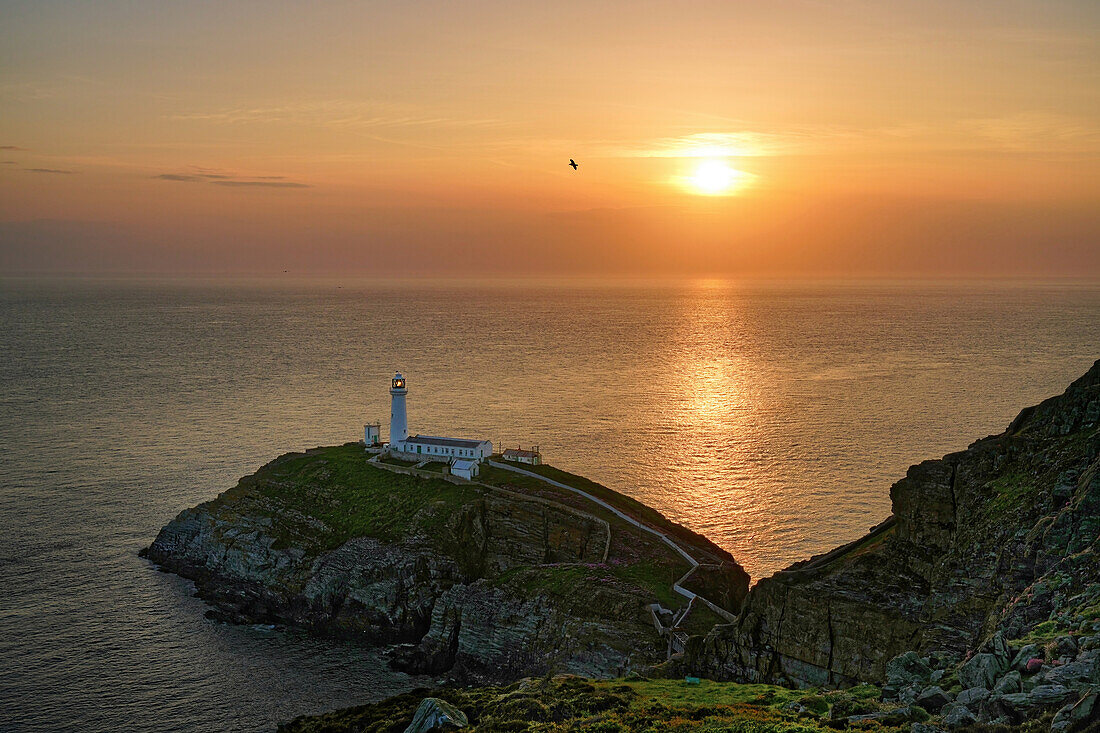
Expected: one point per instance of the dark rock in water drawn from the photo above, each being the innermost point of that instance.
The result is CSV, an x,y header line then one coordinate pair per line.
x,y
990,539
436,715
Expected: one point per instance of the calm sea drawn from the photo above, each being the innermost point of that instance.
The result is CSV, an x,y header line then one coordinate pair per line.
x,y
771,417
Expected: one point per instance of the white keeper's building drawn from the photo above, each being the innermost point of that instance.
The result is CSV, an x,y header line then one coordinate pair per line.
x,y
464,452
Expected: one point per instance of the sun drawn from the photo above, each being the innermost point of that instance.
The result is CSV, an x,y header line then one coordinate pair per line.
x,y
715,178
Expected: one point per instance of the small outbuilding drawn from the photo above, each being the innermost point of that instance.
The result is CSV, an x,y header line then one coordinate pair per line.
x,y
464,468
531,457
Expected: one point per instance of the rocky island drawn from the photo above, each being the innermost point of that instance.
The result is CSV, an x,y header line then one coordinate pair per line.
x,y
486,581
976,602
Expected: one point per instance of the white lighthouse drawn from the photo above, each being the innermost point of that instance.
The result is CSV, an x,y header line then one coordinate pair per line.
x,y
399,420
456,452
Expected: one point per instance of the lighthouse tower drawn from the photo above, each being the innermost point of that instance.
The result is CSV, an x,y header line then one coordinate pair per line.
x,y
399,421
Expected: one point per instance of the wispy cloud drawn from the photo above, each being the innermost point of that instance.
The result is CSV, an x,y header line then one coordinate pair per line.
x,y
49,170
11,147
227,179
334,113
267,184
178,177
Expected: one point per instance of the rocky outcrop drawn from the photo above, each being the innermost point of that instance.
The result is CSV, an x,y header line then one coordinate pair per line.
x,y
483,584
999,537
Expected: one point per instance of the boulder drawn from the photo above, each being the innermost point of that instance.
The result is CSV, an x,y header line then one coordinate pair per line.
x,y
982,670
1029,651
1048,695
436,715
972,695
925,728
1011,682
1065,646
933,699
905,669
1076,714
1079,673
956,715
897,716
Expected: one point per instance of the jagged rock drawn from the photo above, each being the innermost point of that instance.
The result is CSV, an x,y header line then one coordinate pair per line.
x,y
925,728
897,716
937,675
1074,714
991,539
1049,695
972,695
932,699
998,647
1065,646
905,669
1028,651
436,715
1074,674
1011,682
956,715
982,670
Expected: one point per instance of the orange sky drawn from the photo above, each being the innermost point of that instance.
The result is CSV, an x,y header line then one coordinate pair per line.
x,y
421,138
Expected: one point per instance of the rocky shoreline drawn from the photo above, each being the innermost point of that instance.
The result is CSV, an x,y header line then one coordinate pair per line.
x,y
977,602
481,582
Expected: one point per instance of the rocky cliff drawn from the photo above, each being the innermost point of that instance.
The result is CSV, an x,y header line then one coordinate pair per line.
x,y
482,582
987,550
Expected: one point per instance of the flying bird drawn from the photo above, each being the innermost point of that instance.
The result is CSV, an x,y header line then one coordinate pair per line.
x,y
573,163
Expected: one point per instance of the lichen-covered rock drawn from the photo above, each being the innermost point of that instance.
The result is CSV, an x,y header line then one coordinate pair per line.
x,y
981,670
957,715
905,669
436,715
1011,682
972,695
932,699
1077,714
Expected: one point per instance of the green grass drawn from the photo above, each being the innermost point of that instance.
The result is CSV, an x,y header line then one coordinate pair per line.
x,y
608,706
325,497
1012,490
387,458
434,467
623,503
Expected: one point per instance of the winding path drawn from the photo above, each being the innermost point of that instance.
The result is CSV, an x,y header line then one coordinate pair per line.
x,y
677,587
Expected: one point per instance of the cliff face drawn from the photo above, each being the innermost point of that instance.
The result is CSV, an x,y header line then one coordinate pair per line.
x,y
483,583
996,538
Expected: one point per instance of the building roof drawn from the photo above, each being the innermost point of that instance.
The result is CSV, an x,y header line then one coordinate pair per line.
x,y
444,442
520,453
463,464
